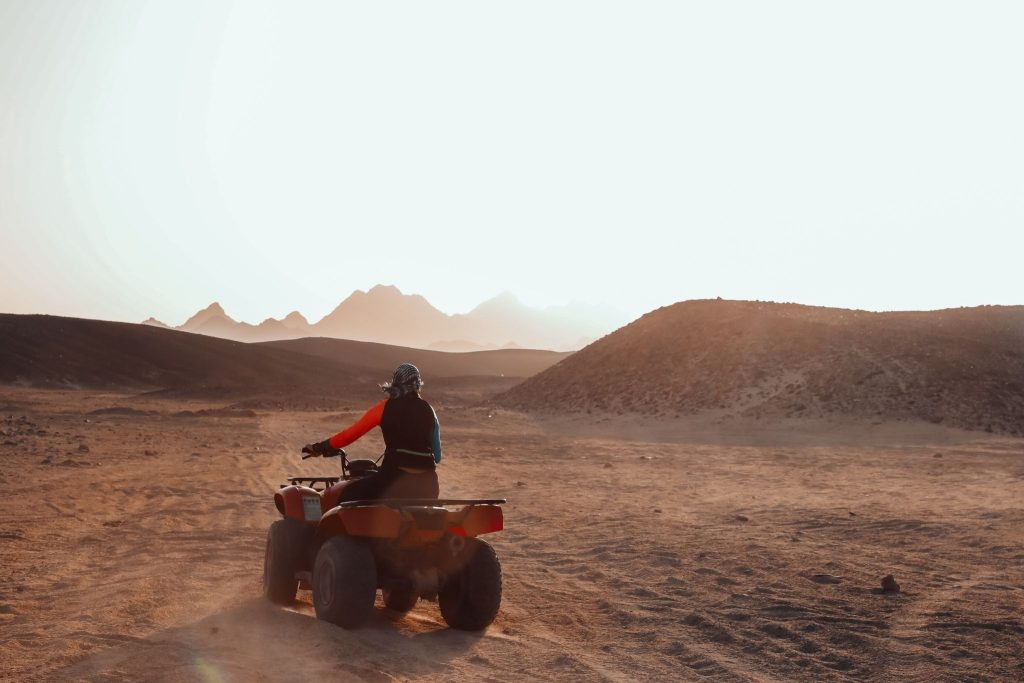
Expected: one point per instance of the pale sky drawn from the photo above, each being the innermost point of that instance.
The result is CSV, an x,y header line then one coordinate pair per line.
x,y
156,156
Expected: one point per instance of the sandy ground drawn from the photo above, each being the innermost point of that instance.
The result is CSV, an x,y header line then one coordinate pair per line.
x,y
131,549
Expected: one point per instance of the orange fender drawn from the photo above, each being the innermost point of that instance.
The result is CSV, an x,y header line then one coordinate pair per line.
x,y
479,519
298,502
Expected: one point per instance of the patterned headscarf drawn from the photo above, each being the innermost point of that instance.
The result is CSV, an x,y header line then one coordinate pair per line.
x,y
406,380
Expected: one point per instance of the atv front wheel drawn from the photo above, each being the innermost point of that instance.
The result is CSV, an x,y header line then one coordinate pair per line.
x,y
344,582
284,539
399,599
471,595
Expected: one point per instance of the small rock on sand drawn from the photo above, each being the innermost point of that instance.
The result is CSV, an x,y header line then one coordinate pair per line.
x,y
826,578
82,448
742,518
889,584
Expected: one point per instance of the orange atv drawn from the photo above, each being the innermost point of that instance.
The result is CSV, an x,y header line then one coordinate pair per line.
x,y
408,548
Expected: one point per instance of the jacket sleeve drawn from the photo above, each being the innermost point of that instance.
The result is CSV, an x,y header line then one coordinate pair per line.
x,y
369,420
436,439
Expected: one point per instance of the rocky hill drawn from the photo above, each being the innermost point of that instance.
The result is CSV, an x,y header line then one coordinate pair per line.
x,y
959,367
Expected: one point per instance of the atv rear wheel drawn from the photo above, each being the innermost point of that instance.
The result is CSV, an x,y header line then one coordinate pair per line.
x,y
399,599
344,582
471,595
284,544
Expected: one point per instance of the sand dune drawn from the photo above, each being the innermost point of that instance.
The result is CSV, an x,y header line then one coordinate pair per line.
x,y
132,547
69,352
744,359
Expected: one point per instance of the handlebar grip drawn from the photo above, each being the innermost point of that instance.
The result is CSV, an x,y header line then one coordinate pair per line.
x,y
306,456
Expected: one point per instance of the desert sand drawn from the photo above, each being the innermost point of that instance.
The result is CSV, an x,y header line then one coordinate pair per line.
x,y
131,547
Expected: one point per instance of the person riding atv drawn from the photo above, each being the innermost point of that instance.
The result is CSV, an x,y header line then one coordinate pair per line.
x,y
412,442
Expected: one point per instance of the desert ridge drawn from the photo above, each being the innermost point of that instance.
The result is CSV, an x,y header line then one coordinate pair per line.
x,y
961,368
58,352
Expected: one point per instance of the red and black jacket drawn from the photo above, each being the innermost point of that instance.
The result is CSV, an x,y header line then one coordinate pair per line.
x,y
411,431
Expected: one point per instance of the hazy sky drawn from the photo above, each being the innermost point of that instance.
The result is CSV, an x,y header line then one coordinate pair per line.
x,y
155,156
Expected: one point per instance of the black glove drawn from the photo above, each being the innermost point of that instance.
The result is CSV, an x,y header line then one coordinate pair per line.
x,y
319,448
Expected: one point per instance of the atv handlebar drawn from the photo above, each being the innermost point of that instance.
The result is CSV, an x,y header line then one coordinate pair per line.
x,y
333,453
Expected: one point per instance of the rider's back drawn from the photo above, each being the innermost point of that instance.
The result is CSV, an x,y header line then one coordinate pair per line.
x,y
407,425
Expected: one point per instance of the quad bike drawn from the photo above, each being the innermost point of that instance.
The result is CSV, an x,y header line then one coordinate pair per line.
x,y
408,548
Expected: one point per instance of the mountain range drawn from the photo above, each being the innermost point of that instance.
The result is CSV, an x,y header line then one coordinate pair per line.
x,y
386,315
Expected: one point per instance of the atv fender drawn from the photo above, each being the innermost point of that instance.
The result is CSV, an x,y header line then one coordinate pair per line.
x,y
477,520
298,502
375,521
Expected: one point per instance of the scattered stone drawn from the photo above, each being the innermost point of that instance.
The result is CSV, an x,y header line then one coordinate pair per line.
x,y
520,483
852,513
46,461
742,518
657,510
889,584
826,578
607,465
148,452
646,457
937,455
82,448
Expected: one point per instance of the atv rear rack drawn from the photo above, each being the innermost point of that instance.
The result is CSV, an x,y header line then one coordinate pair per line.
x,y
309,481
422,502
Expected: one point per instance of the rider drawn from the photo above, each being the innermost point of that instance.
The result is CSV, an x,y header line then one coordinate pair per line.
x,y
412,442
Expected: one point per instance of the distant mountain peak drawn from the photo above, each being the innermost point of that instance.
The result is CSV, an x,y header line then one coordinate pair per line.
x,y
507,297
154,322
214,310
502,302
295,319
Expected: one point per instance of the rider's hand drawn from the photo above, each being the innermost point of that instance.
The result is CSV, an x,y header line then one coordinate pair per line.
x,y
319,448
